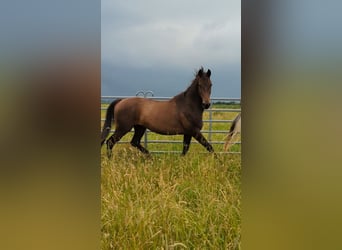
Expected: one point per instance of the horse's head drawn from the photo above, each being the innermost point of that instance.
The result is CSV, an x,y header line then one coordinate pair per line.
x,y
204,87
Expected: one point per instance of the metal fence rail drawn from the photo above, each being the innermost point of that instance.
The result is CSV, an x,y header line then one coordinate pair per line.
x,y
210,131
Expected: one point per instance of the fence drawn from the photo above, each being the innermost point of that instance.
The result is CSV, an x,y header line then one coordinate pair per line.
x,y
209,132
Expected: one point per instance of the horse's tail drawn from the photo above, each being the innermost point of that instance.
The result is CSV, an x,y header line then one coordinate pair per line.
x,y
108,122
232,131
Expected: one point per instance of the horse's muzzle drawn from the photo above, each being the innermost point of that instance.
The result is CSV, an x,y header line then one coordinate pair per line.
x,y
206,105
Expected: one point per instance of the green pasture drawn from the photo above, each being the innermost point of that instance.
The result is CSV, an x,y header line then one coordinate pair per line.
x,y
166,201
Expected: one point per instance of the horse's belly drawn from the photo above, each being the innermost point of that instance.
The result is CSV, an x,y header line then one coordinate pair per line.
x,y
170,131
163,125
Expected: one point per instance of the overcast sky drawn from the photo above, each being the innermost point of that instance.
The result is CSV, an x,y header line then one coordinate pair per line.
x,y
157,45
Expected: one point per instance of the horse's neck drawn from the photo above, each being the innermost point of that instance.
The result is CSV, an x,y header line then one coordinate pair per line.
x,y
192,90
192,97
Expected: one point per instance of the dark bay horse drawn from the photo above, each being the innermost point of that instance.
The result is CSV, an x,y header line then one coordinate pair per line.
x,y
180,115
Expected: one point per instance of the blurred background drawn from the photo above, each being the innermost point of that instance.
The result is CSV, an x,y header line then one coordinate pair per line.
x,y
50,93
291,56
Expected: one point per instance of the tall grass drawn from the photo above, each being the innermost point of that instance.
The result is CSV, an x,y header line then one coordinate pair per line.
x,y
170,202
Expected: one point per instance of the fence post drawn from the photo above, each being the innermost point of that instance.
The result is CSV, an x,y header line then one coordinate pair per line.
x,y
210,123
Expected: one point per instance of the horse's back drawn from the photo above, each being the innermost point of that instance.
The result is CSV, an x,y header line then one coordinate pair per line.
x,y
141,105
159,116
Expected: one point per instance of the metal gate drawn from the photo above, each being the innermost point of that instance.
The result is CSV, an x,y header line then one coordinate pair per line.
x,y
208,132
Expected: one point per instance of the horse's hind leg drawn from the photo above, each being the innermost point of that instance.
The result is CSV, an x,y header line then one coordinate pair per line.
x,y
118,134
138,133
186,143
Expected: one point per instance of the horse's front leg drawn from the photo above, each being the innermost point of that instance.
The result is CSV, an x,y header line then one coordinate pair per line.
x,y
186,143
200,138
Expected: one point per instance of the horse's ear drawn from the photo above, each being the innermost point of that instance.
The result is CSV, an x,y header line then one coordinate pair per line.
x,y
200,72
208,73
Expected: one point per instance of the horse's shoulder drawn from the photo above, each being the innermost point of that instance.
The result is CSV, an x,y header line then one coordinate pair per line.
x,y
191,117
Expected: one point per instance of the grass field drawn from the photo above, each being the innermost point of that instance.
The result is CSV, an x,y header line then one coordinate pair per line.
x,y
165,201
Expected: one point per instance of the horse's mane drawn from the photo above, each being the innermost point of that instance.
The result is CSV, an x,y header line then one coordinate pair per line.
x,y
193,83
191,86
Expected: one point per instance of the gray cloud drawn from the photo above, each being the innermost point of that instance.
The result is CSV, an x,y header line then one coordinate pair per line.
x,y
175,34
